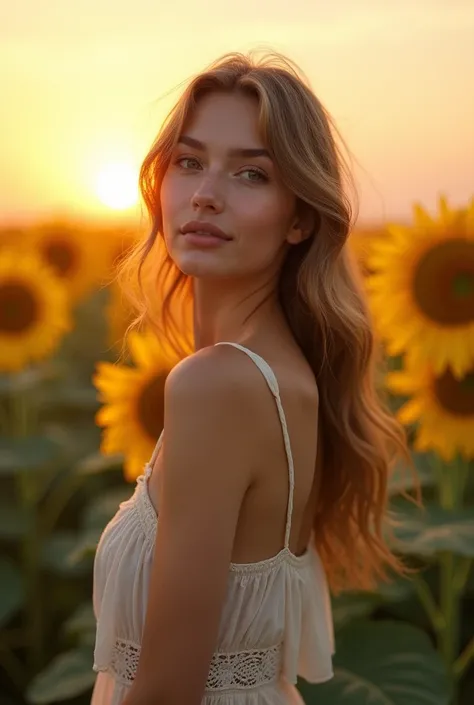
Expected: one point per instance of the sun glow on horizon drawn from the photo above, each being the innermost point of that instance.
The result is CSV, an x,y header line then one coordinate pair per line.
x,y
117,185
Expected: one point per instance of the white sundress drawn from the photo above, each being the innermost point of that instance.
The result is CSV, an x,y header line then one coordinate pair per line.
x,y
276,620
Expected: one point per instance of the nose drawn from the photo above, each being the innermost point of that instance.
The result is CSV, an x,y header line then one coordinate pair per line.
x,y
207,197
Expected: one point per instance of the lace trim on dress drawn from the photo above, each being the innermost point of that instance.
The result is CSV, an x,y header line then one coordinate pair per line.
x,y
237,670
144,507
269,563
244,669
124,661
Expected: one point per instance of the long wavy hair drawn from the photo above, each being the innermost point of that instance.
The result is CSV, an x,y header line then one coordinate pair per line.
x,y
321,296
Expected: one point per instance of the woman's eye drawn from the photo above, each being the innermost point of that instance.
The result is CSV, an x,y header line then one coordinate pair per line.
x,y
255,175
188,163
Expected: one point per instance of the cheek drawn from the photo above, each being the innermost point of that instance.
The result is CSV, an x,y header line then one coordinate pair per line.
x,y
175,193
267,218
170,208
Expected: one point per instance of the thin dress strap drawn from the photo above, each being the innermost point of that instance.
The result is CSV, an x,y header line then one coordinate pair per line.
x,y
156,450
272,382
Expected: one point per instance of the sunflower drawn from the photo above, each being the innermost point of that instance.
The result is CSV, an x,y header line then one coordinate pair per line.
x,y
34,313
442,405
361,243
422,289
72,252
133,397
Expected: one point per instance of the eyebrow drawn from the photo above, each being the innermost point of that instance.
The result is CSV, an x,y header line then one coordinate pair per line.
x,y
236,152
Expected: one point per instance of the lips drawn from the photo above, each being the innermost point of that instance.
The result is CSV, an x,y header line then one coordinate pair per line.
x,y
202,228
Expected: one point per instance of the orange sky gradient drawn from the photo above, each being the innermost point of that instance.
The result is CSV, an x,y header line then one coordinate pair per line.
x,y
87,83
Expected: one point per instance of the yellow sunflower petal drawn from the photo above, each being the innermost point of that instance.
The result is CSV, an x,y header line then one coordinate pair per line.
x,y
401,383
34,309
71,252
411,411
142,349
443,407
421,217
445,213
421,289
132,416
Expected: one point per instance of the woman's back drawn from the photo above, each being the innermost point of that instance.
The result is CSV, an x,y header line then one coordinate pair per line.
x,y
261,528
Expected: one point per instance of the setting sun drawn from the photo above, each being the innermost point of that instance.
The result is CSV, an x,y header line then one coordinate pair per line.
x,y
117,185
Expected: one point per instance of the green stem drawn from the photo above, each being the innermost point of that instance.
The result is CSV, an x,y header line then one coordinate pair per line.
x,y
453,572
462,574
463,472
463,661
57,501
13,638
450,608
23,420
427,600
12,667
4,419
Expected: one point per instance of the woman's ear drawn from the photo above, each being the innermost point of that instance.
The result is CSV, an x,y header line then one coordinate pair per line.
x,y
306,224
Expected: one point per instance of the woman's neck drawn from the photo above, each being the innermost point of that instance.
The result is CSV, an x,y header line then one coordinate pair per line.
x,y
232,312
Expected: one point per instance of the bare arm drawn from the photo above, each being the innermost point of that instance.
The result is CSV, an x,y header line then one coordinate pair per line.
x,y
207,467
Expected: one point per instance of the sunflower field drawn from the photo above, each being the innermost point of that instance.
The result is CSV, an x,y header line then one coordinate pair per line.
x,y
80,417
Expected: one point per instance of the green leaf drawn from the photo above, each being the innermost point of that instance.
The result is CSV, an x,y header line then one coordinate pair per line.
x,y
30,453
82,620
70,674
427,531
76,440
85,547
13,521
28,379
87,639
72,397
96,462
382,663
353,605
56,554
12,592
397,590
102,508
403,478
95,517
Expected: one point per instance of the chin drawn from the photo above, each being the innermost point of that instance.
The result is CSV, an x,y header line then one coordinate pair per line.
x,y
202,265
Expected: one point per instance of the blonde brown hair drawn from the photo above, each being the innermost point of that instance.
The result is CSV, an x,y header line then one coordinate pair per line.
x,y
320,294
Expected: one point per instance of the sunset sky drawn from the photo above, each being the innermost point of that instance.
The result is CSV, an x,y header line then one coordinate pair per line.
x,y
84,86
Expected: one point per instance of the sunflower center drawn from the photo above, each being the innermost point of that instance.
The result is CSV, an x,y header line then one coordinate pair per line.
x,y
61,256
444,283
456,395
150,407
18,307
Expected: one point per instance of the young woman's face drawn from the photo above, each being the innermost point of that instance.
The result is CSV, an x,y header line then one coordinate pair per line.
x,y
226,212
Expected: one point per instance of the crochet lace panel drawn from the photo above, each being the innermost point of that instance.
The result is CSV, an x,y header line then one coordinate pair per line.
x,y
124,661
244,669
233,670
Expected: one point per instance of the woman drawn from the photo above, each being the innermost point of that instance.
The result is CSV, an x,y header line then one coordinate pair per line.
x,y
271,472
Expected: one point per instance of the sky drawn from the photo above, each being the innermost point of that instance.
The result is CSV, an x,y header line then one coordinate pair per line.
x,y
85,84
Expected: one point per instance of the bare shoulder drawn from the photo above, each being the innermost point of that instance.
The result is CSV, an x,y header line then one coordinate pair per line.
x,y
213,376
206,470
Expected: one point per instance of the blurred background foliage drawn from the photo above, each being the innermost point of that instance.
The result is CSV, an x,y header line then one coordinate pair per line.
x,y
78,422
